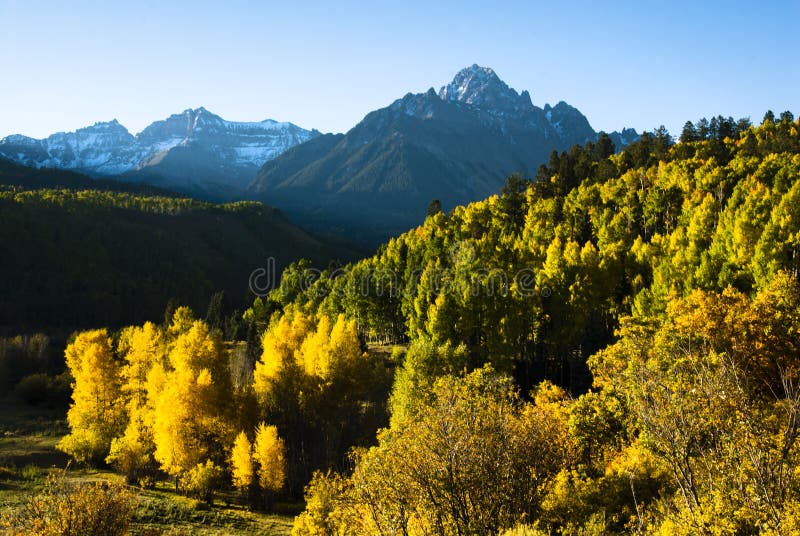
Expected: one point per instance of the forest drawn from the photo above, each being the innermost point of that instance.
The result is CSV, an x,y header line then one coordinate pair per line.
x,y
610,347
80,254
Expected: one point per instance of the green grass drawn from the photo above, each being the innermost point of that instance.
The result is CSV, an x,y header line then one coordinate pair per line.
x,y
28,436
160,510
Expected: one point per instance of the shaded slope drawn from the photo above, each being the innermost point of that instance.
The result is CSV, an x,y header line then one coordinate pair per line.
x,y
85,258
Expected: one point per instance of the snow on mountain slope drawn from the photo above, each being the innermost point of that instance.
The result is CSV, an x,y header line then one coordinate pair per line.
x,y
109,149
482,88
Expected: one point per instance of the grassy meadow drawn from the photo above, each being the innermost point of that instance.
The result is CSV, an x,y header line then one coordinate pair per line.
x,y
28,455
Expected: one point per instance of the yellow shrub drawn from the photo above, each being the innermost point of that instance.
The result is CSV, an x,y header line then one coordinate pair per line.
x,y
99,509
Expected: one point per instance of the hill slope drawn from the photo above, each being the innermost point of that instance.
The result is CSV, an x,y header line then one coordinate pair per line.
x,y
537,278
27,178
78,258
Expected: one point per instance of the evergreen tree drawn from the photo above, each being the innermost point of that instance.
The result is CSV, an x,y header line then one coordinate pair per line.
x,y
689,133
434,207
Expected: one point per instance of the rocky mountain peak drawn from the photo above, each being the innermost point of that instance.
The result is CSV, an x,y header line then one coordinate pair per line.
x,y
482,88
232,151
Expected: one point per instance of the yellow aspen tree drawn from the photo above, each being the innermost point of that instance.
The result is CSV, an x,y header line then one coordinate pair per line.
x,y
270,453
189,423
96,414
177,448
242,470
344,347
276,353
313,356
142,347
280,342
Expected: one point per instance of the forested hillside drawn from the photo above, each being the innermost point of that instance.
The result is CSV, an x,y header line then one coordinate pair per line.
x,y
536,279
86,257
27,178
611,348
657,288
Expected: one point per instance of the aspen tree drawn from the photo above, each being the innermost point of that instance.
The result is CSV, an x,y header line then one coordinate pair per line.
x,y
270,453
95,415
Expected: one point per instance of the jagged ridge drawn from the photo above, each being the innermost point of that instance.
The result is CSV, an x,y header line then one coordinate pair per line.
x,y
457,145
223,152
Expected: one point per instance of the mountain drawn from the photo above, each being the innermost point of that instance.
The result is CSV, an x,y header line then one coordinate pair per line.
x,y
457,145
624,137
78,257
195,151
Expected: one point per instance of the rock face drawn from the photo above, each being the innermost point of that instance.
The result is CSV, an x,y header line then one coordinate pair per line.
x,y
457,145
104,148
192,151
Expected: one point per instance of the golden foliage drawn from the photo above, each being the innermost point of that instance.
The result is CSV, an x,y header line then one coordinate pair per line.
x,y
63,508
270,454
473,460
326,508
242,470
189,415
95,415
202,479
280,342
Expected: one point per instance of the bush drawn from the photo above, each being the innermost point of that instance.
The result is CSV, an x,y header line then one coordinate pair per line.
x,y
99,509
203,480
59,390
33,388
325,495
39,388
131,457
21,355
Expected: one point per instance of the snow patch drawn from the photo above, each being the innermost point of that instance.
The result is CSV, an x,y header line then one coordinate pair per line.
x,y
108,148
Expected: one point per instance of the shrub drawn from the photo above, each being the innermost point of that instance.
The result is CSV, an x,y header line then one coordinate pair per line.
x,y
39,388
33,388
203,479
325,495
64,508
131,457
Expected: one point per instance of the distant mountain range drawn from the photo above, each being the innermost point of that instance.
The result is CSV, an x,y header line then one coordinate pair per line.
x,y
196,151
457,145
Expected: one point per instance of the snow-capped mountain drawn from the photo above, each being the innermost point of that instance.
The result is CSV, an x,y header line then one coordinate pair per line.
x,y
193,149
103,148
482,88
457,145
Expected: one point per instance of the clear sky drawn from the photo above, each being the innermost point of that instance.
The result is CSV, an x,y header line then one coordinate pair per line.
x,y
324,65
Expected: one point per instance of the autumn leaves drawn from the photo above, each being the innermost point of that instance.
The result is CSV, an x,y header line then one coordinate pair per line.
x,y
159,401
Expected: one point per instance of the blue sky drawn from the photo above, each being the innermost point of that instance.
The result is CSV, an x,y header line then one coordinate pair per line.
x,y
326,64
